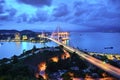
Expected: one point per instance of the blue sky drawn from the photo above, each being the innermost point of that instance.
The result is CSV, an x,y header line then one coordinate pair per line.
x,y
68,14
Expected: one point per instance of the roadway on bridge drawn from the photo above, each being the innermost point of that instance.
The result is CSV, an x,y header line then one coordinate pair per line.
x,y
104,66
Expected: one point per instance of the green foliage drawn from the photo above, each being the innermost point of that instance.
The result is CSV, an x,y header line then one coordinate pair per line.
x,y
15,59
6,77
67,76
15,71
104,58
4,68
4,60
52,67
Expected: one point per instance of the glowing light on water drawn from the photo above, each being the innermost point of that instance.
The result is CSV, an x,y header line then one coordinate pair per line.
x,y
24,45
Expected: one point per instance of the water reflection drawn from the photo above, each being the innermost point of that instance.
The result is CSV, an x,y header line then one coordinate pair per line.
x,y
9,49
24,45
94,42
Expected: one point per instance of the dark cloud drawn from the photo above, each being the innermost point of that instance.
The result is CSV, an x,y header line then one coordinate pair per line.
x,y
96,15
2,1
7,14
82,8
1,9
61,10
36,2
22,18
5,17
3,14
12,12
114,2
1,6
39,16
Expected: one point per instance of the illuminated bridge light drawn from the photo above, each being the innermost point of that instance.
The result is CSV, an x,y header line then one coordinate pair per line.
x,y
61,36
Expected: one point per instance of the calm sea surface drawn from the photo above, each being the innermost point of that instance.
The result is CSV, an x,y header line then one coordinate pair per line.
x,y
96,42
9,49
93,42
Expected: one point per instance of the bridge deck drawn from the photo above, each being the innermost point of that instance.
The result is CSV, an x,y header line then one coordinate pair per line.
x,y
104,66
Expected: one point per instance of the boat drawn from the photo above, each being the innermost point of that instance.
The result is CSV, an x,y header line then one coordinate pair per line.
x,y
1,43
108,48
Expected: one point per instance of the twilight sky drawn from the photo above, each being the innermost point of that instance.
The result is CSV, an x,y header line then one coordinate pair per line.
x,y
68,14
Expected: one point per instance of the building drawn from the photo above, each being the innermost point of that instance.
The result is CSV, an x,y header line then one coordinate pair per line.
x,y
24,37
17,37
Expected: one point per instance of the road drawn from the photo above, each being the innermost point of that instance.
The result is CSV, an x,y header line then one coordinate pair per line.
x,y
104,66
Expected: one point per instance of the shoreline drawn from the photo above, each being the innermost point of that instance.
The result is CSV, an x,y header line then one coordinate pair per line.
x,y
52,57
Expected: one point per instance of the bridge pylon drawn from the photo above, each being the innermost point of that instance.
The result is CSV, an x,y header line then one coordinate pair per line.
x,y
61,36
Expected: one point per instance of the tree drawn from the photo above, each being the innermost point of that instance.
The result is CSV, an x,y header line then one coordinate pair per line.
x,y
4,60
68,76
15,59
34,48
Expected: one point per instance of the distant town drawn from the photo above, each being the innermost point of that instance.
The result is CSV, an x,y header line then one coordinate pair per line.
x,y
18,36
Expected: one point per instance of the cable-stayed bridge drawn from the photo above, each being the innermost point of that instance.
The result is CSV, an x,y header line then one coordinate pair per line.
x,y
61,37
